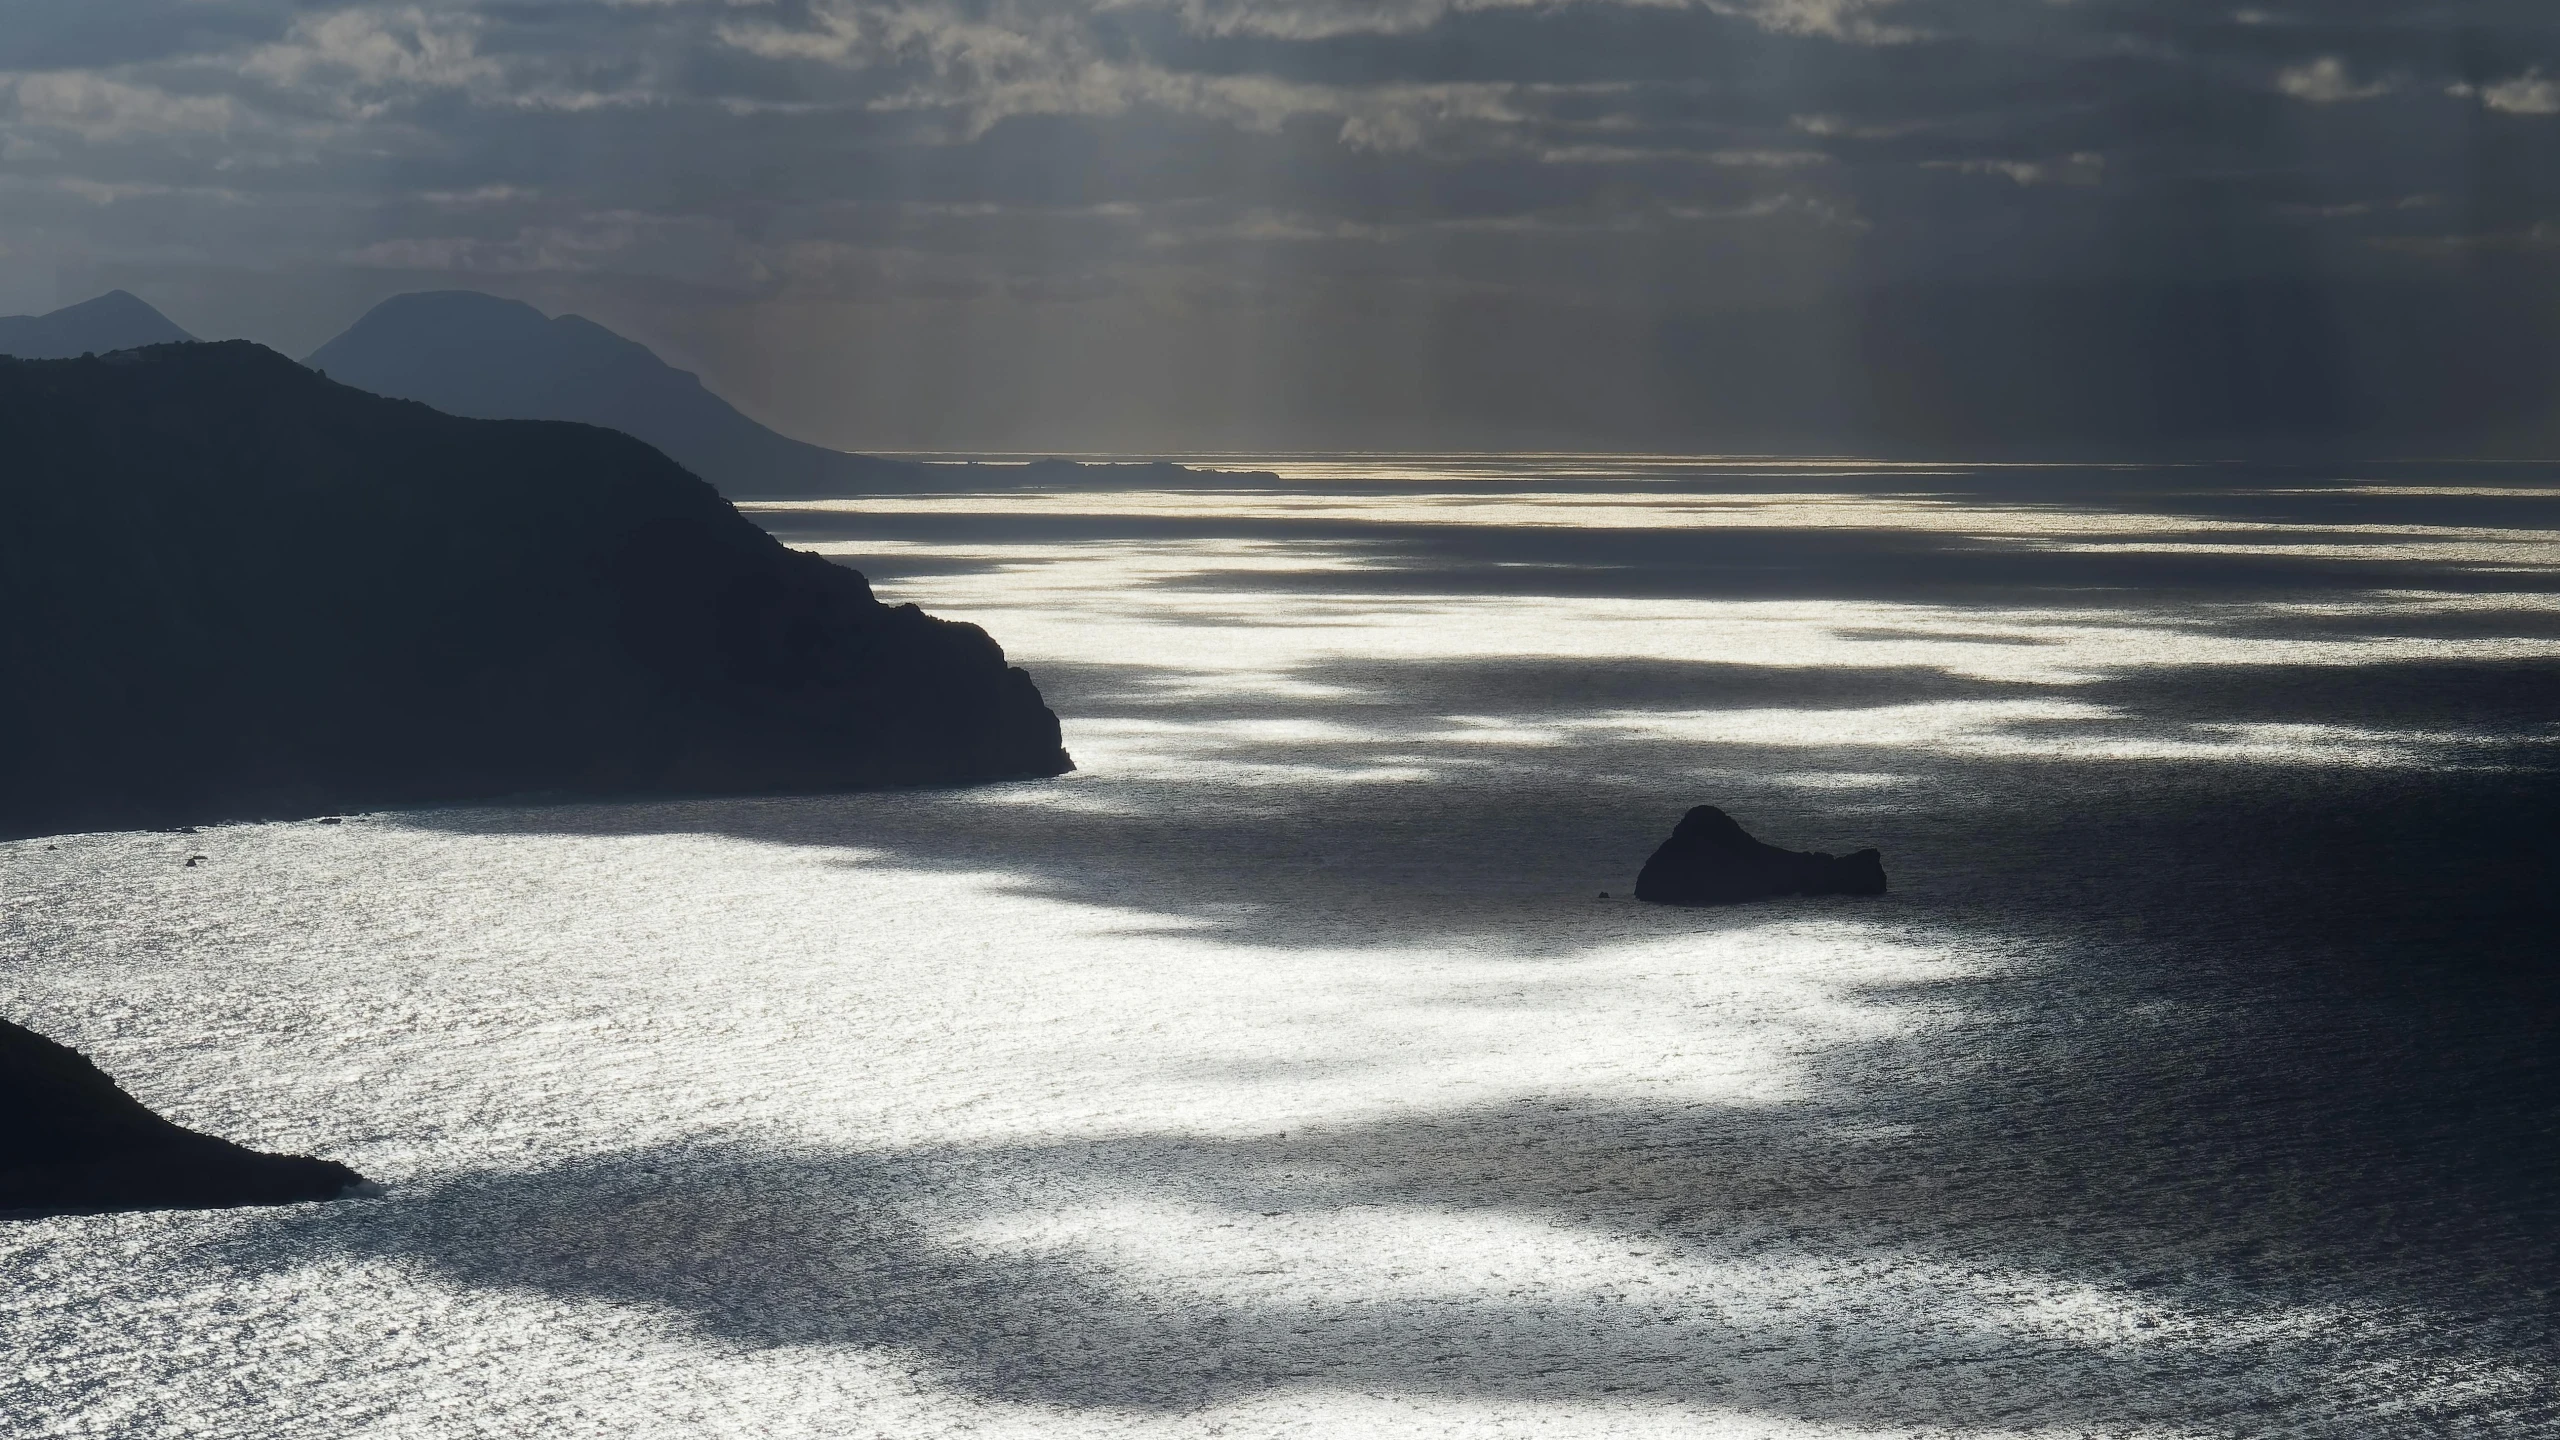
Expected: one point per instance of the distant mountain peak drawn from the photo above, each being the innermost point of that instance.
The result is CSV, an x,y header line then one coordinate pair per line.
x,y
454,305
489,357
117,320
469,353
111,303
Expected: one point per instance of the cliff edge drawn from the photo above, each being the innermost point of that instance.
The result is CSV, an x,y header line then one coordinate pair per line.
x,y
240,590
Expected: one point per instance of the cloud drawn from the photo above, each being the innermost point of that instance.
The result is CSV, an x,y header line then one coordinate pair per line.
x,y
100,192
479,196
347,53
1837,127
2081,168
1818,210
1847,20
2531,93
2326,81
1851,20
1050,59
101,109
1768,159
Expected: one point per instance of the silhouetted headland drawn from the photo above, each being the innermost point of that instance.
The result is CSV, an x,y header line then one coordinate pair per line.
x,y
1710,860
117,320
71,1141
472,354
239,590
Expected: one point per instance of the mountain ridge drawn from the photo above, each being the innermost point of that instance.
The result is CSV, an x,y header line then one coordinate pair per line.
x,y
117,320
469,353
487,357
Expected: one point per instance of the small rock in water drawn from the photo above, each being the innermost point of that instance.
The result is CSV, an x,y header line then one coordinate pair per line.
x,y
1710,860
194,860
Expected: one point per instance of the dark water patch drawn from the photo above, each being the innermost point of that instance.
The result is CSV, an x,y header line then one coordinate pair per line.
x,y
2383,619
2517,701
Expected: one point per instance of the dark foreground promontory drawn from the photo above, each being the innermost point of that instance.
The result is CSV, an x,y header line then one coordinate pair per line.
x,y
71,1141
1711,860
236,589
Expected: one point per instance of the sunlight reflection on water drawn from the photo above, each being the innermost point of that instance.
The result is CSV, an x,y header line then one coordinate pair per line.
x,y
1279,1072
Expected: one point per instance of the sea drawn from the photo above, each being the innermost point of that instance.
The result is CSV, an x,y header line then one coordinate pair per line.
x,y
1301,1066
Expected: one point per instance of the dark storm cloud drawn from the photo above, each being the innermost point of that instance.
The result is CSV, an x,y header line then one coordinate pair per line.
x,y
1202,221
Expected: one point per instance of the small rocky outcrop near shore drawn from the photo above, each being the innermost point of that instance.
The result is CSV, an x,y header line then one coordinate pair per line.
x,y
1711,860
238,591
72,1142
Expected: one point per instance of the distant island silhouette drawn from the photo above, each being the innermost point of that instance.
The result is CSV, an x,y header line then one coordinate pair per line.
x,y
117,320
241,590
467,353
72,1141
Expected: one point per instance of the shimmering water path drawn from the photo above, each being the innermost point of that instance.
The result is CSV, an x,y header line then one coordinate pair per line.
x,y
1279,1073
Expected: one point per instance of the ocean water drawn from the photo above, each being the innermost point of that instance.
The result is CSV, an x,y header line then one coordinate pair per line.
x,y
1282,1072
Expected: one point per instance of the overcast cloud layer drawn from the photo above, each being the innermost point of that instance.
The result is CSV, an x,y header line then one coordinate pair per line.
x,y
1142,224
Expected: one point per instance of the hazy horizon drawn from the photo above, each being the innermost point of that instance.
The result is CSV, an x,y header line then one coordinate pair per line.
x,y
2241,451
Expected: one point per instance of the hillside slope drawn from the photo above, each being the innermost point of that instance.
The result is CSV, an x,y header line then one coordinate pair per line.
x,y
244,590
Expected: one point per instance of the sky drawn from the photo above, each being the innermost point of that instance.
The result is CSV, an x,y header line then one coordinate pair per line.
x,y
1180,225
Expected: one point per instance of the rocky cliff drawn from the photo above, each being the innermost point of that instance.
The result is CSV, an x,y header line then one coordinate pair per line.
x,y
238,589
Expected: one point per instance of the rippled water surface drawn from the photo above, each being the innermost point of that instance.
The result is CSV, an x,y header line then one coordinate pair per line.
x,y
1280,1073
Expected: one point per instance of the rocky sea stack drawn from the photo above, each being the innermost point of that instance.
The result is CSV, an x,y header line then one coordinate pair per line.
x,y
72,1142
1710,860
239,590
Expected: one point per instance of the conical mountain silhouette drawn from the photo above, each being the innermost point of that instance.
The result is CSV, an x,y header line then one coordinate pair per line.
x,y
117,320
478,355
